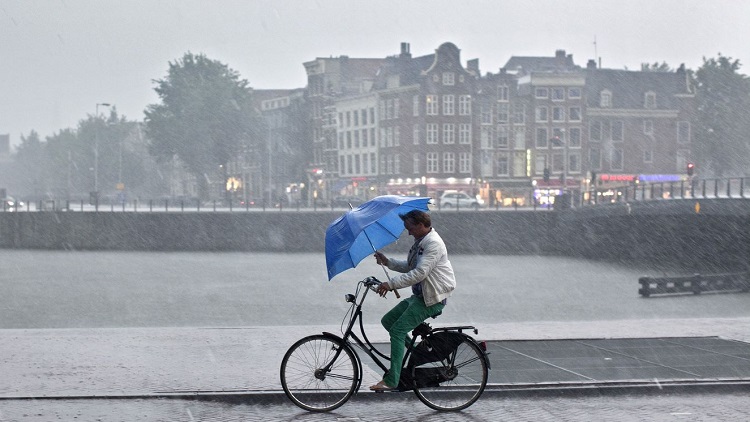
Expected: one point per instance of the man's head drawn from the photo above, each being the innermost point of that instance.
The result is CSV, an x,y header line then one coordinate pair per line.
x,y
417,223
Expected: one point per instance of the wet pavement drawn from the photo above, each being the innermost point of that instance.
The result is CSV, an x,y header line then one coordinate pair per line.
x,y
608,368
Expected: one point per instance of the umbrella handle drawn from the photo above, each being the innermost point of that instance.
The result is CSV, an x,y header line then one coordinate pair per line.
x,y
395,292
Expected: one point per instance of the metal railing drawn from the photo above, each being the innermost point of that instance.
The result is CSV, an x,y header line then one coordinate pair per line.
x,y
732,187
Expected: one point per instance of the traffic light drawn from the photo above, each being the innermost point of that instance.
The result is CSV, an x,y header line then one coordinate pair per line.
x,y
593,177
690,169
546,174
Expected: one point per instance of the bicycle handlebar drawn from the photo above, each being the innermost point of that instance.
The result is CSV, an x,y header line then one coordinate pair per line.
x,y
372,283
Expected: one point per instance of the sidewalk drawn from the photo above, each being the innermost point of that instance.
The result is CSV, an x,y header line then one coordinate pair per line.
x,y
152,362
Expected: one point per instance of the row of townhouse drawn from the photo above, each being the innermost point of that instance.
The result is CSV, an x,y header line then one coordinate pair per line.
x,y
427,124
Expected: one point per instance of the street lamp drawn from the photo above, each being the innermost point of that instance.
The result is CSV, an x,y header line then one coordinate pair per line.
x,y
96,152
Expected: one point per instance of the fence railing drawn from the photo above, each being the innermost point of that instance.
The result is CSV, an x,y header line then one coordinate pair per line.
x,y
733,187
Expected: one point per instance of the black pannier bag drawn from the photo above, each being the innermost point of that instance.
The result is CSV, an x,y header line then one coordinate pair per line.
x,y
437,347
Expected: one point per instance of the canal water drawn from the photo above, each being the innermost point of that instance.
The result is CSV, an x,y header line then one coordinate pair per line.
x,y
74,289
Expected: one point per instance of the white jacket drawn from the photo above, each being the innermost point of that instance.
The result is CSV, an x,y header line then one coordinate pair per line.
x,y
433,269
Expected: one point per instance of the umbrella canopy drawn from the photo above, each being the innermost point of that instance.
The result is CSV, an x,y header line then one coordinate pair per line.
x,y
367,228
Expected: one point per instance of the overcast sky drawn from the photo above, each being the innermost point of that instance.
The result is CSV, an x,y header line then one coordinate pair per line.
x,y
59,58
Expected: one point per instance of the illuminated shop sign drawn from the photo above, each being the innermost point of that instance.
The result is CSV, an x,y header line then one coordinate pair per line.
x,y
617,177
655,178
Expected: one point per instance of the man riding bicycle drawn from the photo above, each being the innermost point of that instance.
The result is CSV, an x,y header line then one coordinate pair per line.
x,y
429,273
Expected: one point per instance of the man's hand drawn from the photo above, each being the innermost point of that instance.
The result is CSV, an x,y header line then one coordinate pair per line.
x,y
381,259
383,288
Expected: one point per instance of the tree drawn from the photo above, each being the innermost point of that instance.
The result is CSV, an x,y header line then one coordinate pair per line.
x,y
205,117
721,143
655,67
31,164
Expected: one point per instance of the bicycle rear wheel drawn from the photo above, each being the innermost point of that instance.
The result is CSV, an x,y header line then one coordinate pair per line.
x,y
308,384
454,383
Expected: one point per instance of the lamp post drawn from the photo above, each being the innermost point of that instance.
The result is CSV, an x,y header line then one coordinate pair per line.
x,y
96,152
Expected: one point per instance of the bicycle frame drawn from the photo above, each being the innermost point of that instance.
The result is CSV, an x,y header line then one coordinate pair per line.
x,y
365,344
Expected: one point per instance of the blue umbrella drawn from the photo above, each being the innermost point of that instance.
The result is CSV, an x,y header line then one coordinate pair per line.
x,y
367,228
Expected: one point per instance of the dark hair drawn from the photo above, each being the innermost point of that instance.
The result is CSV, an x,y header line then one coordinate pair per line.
x,y
417,216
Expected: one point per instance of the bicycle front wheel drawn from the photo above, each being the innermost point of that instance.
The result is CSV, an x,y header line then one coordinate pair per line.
x,y
319,373
454,383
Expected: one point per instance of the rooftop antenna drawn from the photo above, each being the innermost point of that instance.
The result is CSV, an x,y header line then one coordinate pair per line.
x,y
596,54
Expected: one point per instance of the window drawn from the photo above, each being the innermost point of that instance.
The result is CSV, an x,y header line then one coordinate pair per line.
x,y
558,114
595,159
486,114
464,162
502,93
649,100
449,162
648,127
432,133
540,163
648,156
595,131
415,105
519,134
574,114
397,164
683,132
389,136
389,109
357,165
617,131
364,138
373,140
382,137
342,164
415,163
486,136
449,78
605,99
464,133
542,137
396,136
574,137
519,114
348,140
501,164
503,113
348,119
432,162
541,114
415,134
449,133
574,93
448,105
372,115
356,139
363,113
373,163
341,119
558,133
574,162
502,137
557,94
616,159
396,108
541,93
431,104
356,117
464,105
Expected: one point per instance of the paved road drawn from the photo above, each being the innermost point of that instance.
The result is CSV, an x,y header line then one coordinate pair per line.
x,y
719,406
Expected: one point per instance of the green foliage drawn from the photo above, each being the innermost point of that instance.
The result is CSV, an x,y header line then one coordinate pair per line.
x,y
721,141
655,67
205,117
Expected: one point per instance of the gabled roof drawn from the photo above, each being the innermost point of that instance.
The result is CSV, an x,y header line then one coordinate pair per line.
x,y
628,88
526,64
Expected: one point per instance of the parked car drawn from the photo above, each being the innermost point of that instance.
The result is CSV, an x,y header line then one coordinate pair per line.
x,y
11,204
453,199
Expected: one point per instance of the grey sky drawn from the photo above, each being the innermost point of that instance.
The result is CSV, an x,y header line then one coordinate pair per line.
x,y
58,58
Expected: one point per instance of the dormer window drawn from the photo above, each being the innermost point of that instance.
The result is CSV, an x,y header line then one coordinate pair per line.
x,y
605,99
649,100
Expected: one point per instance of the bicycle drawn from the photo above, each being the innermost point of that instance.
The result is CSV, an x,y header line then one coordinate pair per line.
x,y
447,369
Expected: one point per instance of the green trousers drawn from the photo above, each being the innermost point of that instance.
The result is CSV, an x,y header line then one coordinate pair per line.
x,y
399,321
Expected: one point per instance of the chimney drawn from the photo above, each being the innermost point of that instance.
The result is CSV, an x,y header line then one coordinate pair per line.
x,y
591,64
405,50
473,66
